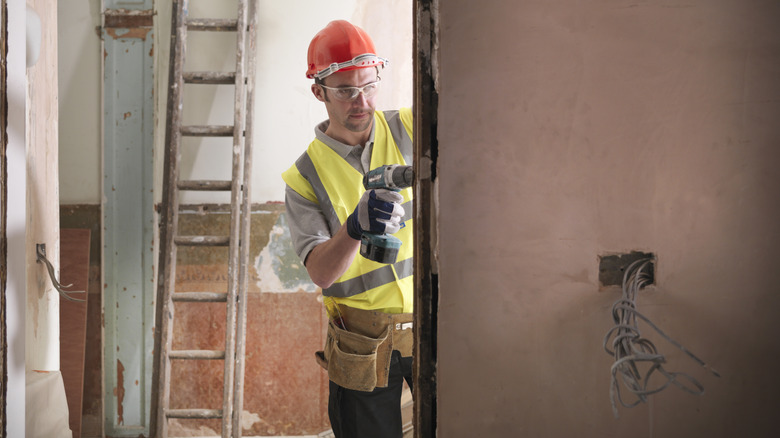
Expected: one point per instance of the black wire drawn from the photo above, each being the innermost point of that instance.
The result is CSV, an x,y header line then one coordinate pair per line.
x,y
631,351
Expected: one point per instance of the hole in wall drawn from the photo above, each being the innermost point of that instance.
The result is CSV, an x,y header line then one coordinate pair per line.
x,y
612,267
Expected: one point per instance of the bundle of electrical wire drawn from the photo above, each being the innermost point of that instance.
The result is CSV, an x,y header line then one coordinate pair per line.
x,y
632,352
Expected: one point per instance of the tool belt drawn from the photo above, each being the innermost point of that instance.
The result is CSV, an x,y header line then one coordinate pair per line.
x,y
359,358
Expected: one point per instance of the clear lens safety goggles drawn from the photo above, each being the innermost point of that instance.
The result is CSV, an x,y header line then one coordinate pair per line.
x,y
364,60
347,94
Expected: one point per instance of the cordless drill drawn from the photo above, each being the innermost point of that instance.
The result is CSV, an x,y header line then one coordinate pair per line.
x,y
383,248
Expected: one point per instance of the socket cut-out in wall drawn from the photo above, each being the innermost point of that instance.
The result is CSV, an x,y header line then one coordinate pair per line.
x,y
612,267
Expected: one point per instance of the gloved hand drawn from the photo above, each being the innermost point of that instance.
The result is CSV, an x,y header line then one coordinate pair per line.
x,y
379,211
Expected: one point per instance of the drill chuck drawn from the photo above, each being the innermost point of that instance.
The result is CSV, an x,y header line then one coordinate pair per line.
x,y
402,177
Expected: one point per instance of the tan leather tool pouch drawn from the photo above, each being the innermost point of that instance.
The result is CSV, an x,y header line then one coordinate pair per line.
x,y
351,358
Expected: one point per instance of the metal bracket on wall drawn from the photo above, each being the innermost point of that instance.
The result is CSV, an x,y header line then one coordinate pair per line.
x,y
40,250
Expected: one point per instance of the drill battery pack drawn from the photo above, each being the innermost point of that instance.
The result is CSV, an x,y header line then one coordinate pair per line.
x,y
381,248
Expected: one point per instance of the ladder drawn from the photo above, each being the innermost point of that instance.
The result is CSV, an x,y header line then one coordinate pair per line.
x,y
238,185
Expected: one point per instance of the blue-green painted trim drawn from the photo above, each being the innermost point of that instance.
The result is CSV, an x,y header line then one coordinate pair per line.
x,y
128,4
128,232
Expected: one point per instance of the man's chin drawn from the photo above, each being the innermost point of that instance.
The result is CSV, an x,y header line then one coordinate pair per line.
x,y
359,125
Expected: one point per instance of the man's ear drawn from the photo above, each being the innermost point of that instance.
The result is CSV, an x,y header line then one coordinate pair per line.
x,y
317,92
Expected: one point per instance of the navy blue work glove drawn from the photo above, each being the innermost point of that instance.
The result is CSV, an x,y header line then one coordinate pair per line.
x,y
379,211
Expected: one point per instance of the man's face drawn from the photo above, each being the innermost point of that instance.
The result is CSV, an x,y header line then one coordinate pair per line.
x,y
348,120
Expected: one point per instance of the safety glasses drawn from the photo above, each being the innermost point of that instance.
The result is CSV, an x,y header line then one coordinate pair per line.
x,y
348,94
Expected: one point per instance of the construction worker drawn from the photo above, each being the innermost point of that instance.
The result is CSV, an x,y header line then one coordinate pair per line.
x,y
369,344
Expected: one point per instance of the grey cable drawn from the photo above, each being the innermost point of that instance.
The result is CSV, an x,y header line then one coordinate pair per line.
x,y
630,349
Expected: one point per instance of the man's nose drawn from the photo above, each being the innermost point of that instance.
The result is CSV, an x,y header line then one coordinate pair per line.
x,y
361,99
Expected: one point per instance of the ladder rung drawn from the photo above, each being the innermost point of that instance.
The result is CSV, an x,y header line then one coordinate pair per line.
x,y
193,413
197,354
212,24
209,77
202,297
205,186
208,131
201,240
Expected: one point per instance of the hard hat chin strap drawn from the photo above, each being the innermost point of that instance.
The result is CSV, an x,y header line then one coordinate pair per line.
x,y
364,60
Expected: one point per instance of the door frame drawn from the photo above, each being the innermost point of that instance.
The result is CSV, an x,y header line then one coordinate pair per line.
x,y
426,297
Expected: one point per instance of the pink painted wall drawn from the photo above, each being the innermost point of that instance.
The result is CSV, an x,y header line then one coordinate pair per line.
x,y
568,130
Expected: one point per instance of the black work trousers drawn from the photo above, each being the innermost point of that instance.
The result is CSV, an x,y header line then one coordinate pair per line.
x,y
374,414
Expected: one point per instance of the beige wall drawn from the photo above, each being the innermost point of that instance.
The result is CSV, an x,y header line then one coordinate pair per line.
x,y
80,101
568,130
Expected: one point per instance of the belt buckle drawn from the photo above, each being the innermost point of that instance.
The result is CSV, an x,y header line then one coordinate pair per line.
x,y
403,326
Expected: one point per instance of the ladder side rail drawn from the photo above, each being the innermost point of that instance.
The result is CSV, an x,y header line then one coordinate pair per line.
x,y
249,93
163,332
233,269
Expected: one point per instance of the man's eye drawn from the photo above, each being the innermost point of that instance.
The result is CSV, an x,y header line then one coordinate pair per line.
x,y
346,93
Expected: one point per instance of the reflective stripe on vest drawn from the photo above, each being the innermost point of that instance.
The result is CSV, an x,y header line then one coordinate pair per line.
x,y
400,134
370,280
306,167
384,274
404,142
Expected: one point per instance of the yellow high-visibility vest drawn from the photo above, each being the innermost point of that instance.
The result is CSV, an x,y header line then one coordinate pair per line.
x,y
322,176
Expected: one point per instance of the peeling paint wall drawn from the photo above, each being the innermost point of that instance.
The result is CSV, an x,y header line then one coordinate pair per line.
x,y
277,267
285,391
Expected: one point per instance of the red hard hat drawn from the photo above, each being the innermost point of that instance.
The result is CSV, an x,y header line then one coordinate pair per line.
x,y
341,46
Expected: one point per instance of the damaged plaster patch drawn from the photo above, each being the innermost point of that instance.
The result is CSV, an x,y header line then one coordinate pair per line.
x,y
278,267
248,419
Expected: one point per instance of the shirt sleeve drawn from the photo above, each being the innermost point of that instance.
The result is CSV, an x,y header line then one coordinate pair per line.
x,y
308,227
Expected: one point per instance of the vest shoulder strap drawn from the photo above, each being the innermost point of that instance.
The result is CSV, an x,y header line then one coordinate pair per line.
x,y
400,124
293,178
306,168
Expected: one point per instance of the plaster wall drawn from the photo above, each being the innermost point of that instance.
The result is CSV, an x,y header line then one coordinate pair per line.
x,y
80,102
569,130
